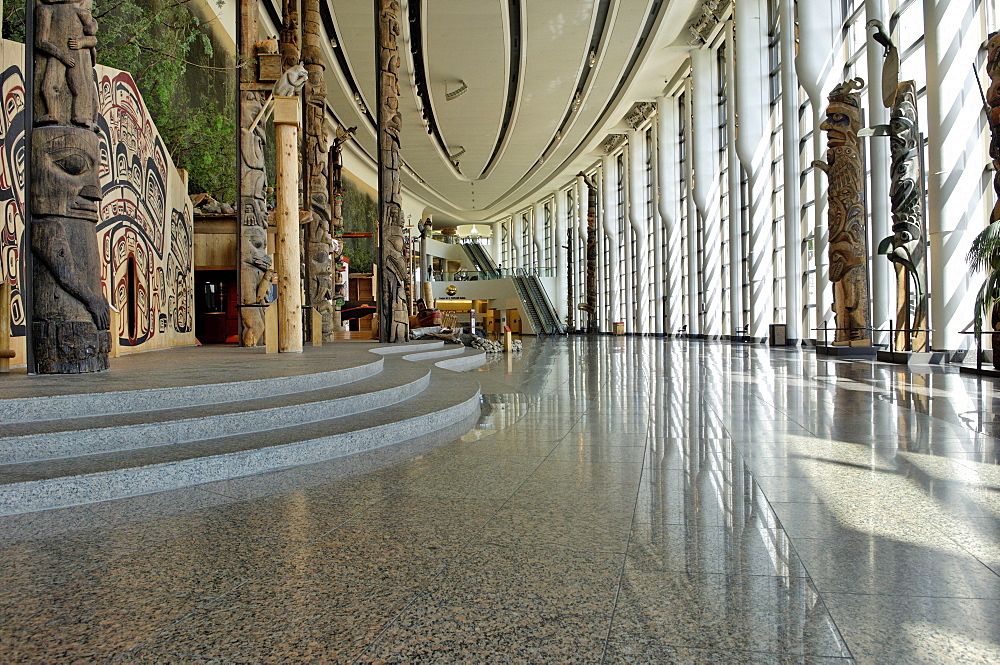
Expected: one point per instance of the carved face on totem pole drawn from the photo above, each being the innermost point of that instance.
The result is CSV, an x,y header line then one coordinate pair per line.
x,y
65,181
847,211
255,248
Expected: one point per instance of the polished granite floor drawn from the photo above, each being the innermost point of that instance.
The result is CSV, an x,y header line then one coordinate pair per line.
x,y
620,501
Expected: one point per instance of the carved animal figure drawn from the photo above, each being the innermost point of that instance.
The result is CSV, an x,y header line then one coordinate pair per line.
x,y
291,82
268,46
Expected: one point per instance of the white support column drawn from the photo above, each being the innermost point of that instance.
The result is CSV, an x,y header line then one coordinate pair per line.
x,y
693,262
496,243
659,271
752,146
954,192
538,233
515,241
735,198
818,68
705,188
559,237
637,219
794,284
883,275
667,177
611,237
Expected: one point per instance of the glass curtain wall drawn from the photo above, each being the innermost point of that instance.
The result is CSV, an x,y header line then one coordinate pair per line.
x,y
682,217
723,92
777,162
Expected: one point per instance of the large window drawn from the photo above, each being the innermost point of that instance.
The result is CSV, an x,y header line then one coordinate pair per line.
x,y
682,221
623,232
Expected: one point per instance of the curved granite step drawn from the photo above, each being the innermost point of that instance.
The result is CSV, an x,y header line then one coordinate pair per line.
x,y
447,399
53,439
113,402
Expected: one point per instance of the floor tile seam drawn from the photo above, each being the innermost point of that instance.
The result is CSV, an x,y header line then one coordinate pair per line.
x,y
624,563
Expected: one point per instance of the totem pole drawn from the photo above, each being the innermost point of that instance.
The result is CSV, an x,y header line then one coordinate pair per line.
x,y
847,216
906,246
426,228
254,261
392,311
591,303
570,268
71,317
993,102
336,195
319,241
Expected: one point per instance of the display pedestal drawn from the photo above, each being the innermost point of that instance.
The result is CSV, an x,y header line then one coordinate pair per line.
x,y
869,352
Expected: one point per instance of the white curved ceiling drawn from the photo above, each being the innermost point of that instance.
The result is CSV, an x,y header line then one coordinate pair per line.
x,y
547,46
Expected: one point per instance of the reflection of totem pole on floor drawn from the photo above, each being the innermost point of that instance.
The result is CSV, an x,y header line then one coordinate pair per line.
x,y
847,215
591,304
392,311
319,241
254,261
906,246
70,318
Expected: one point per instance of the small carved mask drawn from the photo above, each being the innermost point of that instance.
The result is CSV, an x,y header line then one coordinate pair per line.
x,y
64,174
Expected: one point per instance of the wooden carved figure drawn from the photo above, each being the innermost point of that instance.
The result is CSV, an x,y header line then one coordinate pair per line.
x,y
906,246
847,215
393,312
590,306
71,317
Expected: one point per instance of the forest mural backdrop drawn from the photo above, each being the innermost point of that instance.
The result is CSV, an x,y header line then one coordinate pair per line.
x,y
145,230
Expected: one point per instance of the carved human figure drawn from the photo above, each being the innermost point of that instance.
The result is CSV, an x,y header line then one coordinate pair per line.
x,y
255,262
66,40
847,214
71,316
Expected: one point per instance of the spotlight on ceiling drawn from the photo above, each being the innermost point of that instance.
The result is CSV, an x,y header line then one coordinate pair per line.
x,y
458,92
593,58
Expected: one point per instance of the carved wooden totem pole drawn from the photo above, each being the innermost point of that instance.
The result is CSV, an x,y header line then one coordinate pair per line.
x,y
392,311
319,241
847,215
570,275
71,317
255,263
906,246
590,306
336,195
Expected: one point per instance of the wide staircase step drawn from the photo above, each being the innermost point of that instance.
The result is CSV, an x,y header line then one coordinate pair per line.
x,y
59,462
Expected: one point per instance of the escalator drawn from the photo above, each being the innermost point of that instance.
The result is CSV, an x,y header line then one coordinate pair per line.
x,y
481,260
541,313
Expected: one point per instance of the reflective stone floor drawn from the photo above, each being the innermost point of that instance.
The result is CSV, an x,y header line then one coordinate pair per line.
x,y
620,501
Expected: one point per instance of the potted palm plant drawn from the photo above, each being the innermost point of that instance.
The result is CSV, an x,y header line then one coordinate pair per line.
x,y
984,254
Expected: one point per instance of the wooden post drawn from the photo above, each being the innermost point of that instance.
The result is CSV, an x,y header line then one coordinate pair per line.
x,y
317,327
286,130
5,353
116,318
271,328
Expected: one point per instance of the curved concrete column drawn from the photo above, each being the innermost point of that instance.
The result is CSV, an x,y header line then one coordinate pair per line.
x,y
883,276
691,213
637,219
657,239
705,188
538,233
792,170
610,236
954,192
559,238
515,241
668,203
735,196
496,241
818,68
752,146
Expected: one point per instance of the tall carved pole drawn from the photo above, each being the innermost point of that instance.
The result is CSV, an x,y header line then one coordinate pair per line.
x,y
392,312
591,294
847,215
570,279
336,195
254,261
319,241
70,322
905,247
